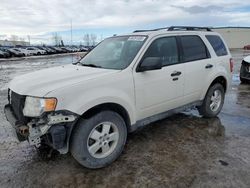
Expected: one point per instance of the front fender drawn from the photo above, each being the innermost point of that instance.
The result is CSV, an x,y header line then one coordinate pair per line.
x,y
120,98
79,103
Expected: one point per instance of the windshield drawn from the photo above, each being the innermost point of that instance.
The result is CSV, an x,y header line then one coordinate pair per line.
x,y
114,53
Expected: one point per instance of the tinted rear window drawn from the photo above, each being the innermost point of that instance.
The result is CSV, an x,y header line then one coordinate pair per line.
x,y
193,48
217,44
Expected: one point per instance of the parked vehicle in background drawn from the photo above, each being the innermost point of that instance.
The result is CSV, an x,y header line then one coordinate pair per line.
x,y
125,82
64,50
26,52
47,50
84,49
2,55
91,47
75,49
247,47
6,53
16,52
68,49
245,70
50,50
36,51
57,49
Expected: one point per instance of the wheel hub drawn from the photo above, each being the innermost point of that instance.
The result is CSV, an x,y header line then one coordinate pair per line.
x,y
216,99
103,139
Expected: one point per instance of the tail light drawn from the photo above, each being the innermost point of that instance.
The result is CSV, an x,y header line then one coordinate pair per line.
x,y
231,64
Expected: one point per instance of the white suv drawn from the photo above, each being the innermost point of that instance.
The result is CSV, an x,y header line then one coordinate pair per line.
x,y
125,82
35,51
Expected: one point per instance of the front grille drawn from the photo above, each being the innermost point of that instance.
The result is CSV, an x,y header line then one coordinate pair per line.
x,y
17,104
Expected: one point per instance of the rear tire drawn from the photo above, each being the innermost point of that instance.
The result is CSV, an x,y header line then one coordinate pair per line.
x,y
213,101
98,141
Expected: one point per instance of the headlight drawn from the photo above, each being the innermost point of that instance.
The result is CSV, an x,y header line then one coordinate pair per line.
x,y
35,106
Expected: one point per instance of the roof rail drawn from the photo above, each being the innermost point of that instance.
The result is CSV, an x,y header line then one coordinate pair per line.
x,y
147,30
188,28
176,28
137,31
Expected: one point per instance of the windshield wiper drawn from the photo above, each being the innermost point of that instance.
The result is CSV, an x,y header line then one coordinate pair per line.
x,y
91,65
76,63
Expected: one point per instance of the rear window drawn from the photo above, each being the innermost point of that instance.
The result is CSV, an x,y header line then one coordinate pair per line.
x,y
193,48
217,44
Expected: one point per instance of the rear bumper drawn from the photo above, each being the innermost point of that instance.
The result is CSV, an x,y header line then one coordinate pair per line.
x,y
11,118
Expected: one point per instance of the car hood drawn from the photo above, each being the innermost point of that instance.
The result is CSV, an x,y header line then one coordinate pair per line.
x,y
40,83
247,59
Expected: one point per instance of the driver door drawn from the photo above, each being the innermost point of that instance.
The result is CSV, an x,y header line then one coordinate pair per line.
x,y
160,90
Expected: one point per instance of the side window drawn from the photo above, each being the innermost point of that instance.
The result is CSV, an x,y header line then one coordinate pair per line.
x,y
193,48
166,49
217,44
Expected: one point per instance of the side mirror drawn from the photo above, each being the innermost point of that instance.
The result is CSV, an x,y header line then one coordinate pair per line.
x,y
150,63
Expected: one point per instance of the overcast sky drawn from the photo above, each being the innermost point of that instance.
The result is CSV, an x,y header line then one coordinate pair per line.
x,y
106,17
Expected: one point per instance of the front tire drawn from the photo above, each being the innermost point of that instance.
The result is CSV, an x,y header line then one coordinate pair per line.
x,y
213,101
98,141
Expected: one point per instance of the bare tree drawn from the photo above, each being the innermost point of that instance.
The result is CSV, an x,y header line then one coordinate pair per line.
x,y
86,39
14,38
28,36
57,39
101,37
93,38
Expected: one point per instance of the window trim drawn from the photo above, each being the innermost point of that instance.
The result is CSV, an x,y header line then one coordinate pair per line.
x,y
182,51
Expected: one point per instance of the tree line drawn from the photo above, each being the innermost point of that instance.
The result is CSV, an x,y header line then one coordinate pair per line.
x,y
89,39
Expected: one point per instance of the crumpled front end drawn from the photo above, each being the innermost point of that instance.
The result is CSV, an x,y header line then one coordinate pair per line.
x,y
245,70
51,128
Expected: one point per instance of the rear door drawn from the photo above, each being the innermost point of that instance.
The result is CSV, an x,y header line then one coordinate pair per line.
x,y
198,66
222,53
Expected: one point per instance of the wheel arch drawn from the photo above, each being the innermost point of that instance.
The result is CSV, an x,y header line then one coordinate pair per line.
x,y
222,80
101,107
219,79
109,106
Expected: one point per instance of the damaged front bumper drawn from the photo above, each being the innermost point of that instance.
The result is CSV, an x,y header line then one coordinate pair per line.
x,y
245,70
52,129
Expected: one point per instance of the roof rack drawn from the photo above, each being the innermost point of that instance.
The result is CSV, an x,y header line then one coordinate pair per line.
x,y
188,28
147,30
176,28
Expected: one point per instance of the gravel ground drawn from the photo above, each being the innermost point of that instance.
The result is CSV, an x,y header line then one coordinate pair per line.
x,y
184,150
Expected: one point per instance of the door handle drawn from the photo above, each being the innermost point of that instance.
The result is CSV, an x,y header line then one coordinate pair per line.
x,y
208,66
176,73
